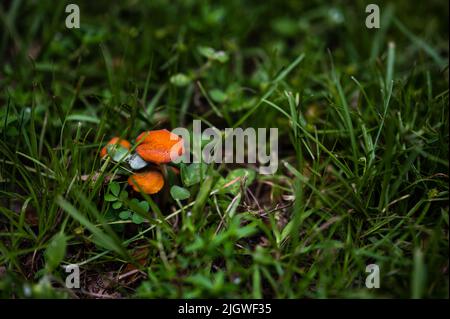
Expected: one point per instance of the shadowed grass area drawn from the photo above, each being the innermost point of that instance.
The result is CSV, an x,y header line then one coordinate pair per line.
x,y
362,116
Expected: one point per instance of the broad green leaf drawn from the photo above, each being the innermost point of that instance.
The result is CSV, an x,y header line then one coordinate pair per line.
x,y
218,95
114,187
234,179
137,219
285,26
193,173
144,206
56,250
117,205
126,214
210,53
221,56
110,198
179,193
207,52
123,195
180,79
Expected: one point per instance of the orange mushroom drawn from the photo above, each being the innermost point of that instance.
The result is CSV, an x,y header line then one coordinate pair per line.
x,y
157,146
115,141
149,182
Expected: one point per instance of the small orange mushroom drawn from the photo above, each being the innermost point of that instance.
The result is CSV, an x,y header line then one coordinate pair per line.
x,y
149,182
115,141
157,146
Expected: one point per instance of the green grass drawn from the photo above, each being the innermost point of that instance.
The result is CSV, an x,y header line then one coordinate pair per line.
x,y
363,149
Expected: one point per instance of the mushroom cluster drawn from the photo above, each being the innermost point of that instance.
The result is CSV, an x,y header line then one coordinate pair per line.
x,y
158,147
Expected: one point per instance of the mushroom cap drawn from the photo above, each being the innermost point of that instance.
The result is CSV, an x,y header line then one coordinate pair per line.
x,y
115,141
150,182
156,146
